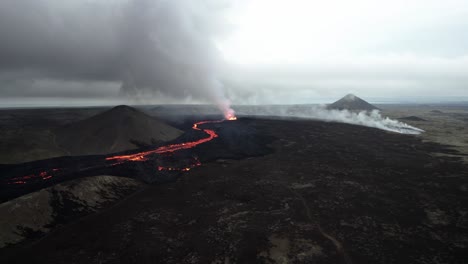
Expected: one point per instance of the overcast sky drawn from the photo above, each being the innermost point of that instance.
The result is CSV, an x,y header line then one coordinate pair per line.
x,y
55,52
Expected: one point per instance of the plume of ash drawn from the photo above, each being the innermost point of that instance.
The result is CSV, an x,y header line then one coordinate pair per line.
x,y
364,118
170,50
158,50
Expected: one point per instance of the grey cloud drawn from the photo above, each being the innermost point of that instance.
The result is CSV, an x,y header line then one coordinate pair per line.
x,y
59,89
382,76
152,48
59,39
163,50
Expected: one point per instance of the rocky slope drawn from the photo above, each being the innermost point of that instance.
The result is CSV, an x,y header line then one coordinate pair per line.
x,y
118,129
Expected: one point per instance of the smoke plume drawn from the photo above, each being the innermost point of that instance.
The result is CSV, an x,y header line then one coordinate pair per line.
x,y
362,118
152,49
169,49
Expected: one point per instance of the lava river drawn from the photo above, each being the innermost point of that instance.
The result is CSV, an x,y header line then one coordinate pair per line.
x,y
44,175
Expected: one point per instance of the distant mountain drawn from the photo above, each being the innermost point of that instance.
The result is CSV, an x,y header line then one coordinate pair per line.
x,y
352,103
112,131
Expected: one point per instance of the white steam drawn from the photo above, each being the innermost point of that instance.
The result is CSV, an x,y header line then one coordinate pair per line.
x,y
169,50
363,118
155,50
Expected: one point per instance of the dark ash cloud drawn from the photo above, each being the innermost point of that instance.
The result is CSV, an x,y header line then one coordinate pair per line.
x,y
147,47
156,51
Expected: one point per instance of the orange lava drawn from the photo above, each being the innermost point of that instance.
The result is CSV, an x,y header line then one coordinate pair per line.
x,y
193,165
142,156
230,116
44,175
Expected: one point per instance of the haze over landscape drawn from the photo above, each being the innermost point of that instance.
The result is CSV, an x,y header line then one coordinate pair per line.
x,y
248,52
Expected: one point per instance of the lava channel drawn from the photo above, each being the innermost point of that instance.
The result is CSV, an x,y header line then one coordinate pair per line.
x,y
142,156
43,175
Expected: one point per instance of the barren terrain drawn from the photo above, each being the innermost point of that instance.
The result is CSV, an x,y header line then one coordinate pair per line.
x,y
325,193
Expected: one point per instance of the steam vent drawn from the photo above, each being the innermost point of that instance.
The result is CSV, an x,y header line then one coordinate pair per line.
x,y
352,103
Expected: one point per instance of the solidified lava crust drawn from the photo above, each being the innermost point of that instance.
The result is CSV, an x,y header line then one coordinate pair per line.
x,y
328,193
154,164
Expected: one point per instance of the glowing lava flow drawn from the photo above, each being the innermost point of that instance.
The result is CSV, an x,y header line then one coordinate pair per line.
x,y
43,175
196,163
142,156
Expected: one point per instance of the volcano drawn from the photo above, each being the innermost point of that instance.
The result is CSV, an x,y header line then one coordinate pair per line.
x,y
353,103
118,129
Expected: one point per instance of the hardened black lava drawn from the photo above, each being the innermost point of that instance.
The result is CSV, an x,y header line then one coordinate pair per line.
x,y
207,140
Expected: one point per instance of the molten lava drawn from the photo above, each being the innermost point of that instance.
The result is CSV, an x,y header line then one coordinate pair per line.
x,y
141,156
230,115
43,175
196,163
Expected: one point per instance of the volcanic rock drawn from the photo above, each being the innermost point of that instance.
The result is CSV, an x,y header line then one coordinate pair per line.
x,y
352,103
38,213
412,118
337,193
118,129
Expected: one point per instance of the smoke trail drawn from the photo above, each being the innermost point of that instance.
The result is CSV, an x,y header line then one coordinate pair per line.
x,y
170,50
363,118
156,50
